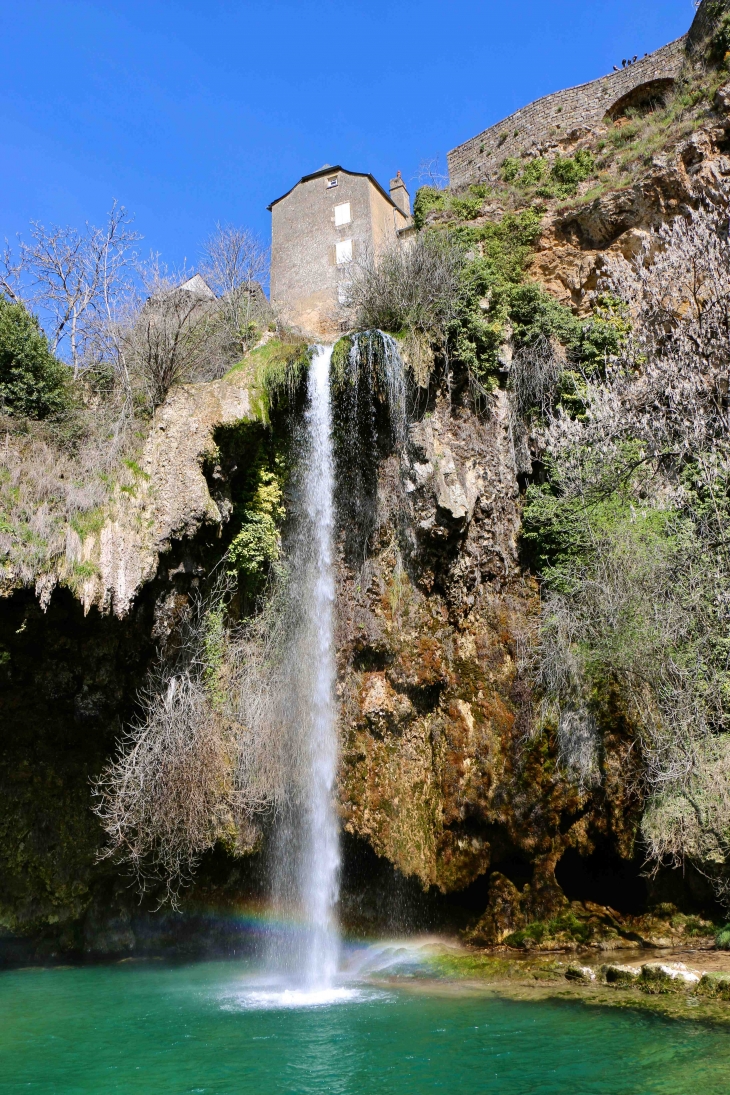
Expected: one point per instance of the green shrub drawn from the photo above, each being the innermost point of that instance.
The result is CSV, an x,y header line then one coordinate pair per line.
x,y
256,546
722,939
427,198
511,169
534,313
533,172
466,206
604,335
720,42
258,508
557,180
32,381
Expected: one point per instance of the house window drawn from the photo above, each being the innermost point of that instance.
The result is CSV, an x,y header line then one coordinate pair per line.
x,y
332,181
343,252
342,214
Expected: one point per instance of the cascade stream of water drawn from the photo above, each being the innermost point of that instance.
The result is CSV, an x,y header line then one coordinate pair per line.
x,y
307,865
307,856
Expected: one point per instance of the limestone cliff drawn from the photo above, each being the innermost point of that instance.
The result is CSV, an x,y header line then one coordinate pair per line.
x,y
441,782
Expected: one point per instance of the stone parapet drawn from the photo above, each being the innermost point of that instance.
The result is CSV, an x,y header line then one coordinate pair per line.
x,y
555,117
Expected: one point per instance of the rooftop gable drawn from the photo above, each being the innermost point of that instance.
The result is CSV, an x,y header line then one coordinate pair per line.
x,y
198,286
331,171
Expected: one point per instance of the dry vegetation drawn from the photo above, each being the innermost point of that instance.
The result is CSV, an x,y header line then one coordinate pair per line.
x,y
215,751
128,333
631,535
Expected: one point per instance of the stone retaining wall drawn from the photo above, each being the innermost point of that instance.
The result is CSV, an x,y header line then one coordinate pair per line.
x,y
556,116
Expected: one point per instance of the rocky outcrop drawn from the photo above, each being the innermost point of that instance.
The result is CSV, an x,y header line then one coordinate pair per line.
x,y
438,772
578,243
170,500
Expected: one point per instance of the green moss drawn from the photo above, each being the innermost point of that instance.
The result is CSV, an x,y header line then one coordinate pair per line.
x,y
565,926
84,571
274,373
715,985
491,967
341,358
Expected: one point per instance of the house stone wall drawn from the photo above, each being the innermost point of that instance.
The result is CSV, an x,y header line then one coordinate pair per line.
x,y
306,281
554,117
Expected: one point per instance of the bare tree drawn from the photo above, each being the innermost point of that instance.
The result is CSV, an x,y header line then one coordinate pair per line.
x,y
534,376
168,334
74,276
416,289
170,795
428,174
236,263
209,754
10,275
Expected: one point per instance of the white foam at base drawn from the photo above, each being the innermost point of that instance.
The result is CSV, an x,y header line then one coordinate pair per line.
x,y
270,999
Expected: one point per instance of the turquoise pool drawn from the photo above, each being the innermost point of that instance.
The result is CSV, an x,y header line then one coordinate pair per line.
x,y
212,1028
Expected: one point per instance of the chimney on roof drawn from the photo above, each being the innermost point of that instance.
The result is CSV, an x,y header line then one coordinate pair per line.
x,y
400,195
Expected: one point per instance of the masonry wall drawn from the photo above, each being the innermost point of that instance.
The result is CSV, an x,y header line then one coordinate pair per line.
x,y
554,117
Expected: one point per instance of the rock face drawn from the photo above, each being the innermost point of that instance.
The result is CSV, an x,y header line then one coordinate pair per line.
x,y
439,775
170,501
70,670
578,244
438,772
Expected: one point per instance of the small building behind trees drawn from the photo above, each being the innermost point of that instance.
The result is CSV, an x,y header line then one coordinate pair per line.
x,y
325,223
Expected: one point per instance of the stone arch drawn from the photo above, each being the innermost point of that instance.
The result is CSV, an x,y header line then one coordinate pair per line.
x,y
643,96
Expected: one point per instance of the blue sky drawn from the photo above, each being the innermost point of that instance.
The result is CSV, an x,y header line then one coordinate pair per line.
x,y
196,111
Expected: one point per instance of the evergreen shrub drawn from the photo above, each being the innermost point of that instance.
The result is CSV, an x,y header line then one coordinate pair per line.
x,y
33,383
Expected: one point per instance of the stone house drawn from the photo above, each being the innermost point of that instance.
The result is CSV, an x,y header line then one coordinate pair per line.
x,y
325,223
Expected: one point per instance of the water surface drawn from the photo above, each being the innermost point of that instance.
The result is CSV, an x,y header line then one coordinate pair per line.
x,y
208,1028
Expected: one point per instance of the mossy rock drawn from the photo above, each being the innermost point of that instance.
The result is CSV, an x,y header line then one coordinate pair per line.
x,y
715,985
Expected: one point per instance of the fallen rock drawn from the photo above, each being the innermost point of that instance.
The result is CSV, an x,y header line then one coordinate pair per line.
x,y
580,973
659,973
620,975
716,985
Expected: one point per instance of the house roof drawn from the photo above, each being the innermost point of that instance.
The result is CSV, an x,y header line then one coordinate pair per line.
x,y
331,171
198,286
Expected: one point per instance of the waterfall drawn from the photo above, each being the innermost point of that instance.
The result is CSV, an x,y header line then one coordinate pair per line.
x,y
306,878
369,425
369,422
378,352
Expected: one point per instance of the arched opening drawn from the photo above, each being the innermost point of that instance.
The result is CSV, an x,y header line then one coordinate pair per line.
x,y
642,99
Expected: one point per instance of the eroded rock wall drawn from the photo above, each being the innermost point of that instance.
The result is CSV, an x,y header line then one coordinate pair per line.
x,y
439,771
